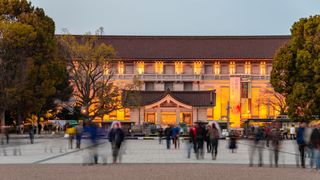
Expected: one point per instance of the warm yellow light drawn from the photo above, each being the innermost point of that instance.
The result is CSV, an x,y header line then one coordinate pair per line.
x,y
197,67
159,67
120,67
263,68
178,67
140,67
217,67
247,67
232,67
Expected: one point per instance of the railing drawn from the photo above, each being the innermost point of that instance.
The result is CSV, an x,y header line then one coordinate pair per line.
x,y
187,77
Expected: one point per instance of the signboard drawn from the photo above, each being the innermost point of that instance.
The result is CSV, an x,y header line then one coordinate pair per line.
x,y
235,96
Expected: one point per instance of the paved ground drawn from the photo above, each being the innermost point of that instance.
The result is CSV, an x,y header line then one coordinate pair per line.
x,y
152,171
135,151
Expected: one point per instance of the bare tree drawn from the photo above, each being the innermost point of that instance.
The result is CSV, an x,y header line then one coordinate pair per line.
x,y
91,70
270,98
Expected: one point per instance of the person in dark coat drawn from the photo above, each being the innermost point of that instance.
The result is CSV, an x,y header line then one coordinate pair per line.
x,y
116,137
233,141
160,131
168,134
301,143
313,144
200,138
192,140
31,133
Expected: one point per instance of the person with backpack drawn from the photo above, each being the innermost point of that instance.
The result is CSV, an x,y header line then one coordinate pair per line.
x,y
116,137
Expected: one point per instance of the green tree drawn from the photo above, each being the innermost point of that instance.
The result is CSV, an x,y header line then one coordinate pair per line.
x,y
296,69
33,73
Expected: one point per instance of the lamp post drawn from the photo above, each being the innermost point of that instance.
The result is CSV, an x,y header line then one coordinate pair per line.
x,y
228,115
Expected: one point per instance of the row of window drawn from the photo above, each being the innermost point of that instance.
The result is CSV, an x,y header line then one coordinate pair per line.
x,y
197,67
186,86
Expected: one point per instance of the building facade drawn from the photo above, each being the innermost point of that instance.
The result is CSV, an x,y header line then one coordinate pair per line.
x,y
237,68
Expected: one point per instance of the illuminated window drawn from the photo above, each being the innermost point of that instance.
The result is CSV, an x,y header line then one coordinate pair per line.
x,y
127,113
197,67
217,67
232,67
120,67
263,68
210,113
247,67
178,67
140,67
159,67
151,118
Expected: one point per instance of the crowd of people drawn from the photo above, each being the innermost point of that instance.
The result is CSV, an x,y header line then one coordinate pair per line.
x,y
201,138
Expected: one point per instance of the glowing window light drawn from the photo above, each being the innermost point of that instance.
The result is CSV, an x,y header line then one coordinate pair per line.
x,y
178,67
217,67
140,67
120,67
263,68
247,67
159,67
197,67
232,67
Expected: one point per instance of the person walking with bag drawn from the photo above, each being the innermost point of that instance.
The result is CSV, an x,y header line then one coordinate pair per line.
x,y
213,135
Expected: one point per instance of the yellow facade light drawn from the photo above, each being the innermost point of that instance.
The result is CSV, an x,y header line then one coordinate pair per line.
x,y
140,67
159,67
216,67
178,67
120,67
197,67
232,67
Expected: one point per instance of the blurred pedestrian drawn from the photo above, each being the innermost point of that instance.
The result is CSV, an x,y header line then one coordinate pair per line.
x,y
31,133
275,138
116,137
233,141
160,132
258,145
213,136
292,132
301,143
71,131
314,145
168,134
79,131
192,140
200,138
175,136
209,144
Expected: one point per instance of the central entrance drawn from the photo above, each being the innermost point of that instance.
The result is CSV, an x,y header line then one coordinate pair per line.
x,y
168,118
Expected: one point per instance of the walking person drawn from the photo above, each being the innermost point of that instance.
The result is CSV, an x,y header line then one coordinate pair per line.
x,y
116,137
160,132
192,141
79,131
200,138
71,131
213,136
292,132
31,133
175,135
301,143
209,144
275,138
258,145
233,141
314,145
168,134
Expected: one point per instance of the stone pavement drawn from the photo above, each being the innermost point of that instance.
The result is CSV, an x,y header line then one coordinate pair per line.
x,y
151,172
135,151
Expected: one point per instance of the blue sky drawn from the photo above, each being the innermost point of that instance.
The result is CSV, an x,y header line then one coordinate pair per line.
x,y
178,17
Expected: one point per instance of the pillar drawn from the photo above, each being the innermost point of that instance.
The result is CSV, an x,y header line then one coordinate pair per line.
x,y
178,115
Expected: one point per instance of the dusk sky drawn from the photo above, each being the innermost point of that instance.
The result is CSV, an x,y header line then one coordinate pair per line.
x,y
178,17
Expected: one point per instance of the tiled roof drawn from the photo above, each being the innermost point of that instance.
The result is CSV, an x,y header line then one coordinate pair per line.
x,y
195,47
192,98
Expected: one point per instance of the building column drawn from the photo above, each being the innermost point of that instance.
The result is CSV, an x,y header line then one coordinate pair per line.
x,y
158,116
178,115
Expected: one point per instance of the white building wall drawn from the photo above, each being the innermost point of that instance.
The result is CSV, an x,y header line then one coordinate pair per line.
x,y
178,86
159,86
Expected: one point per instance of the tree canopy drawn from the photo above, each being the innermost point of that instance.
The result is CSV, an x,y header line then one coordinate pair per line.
x,y
33,73
296,69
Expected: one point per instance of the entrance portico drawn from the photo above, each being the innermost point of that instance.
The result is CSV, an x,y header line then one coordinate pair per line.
x,y
172,107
